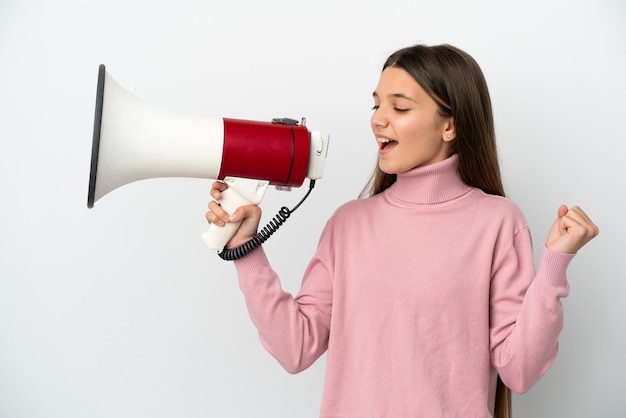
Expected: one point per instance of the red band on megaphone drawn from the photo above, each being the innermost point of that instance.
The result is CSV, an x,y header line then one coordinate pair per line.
x,y
276,152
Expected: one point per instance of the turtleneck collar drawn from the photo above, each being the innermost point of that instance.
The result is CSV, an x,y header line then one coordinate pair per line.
x,y
434,183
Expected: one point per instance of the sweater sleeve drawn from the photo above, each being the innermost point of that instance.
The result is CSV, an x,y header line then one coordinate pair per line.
x,y
526,315
293,330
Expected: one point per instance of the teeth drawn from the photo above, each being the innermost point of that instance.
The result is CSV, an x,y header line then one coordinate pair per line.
x,y
383,140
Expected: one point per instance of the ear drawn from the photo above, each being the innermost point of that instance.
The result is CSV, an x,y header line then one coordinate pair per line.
x,y
449,132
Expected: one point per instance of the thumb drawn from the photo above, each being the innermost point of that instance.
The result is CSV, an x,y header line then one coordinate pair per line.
x,y
562,211
558,227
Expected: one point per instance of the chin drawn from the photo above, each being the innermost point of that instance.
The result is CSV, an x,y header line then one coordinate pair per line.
x,y
388,170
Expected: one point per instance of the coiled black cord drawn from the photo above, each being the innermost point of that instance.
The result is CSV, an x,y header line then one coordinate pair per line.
x,y
230,254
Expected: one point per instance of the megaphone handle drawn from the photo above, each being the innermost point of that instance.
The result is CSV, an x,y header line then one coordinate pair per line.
x,y
240,192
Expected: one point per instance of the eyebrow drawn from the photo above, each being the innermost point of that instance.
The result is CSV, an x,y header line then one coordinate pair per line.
x,y
396,95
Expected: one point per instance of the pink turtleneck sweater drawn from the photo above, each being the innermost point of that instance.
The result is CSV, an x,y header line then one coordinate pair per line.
x,y
422,295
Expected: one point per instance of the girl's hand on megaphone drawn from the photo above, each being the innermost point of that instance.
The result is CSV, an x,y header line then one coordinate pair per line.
x,y
250,215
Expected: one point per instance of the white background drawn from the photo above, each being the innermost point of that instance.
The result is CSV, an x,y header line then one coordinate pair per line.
x,y
121,311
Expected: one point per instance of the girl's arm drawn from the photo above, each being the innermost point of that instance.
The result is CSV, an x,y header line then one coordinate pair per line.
x,y
526,311
294,330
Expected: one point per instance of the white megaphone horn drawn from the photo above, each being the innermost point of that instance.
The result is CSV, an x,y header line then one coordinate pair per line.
x,y
134,141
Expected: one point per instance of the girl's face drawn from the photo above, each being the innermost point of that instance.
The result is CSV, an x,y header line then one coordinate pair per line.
x,y
407,126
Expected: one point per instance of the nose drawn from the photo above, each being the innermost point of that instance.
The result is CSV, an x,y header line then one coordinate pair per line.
x,y
378,119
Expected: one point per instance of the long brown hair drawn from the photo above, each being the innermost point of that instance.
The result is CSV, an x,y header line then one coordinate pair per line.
x,y
457,84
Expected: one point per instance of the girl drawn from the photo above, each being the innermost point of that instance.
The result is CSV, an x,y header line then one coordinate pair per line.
x,y
423,291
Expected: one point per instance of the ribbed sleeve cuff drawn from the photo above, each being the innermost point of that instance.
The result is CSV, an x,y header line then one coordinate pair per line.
x,y
553,266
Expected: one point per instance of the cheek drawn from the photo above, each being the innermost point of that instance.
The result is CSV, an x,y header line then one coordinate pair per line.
x,y
423,130
411,131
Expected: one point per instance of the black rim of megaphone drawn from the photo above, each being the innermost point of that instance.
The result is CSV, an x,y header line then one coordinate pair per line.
x,y
95,146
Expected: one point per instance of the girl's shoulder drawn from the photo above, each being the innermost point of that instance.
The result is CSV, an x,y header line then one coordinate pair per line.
x,y
500,203
500,209
356,206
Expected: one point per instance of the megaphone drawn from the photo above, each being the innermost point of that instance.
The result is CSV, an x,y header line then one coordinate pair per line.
x,y
133,141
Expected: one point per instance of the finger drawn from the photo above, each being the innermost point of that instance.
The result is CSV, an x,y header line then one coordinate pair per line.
x,y
248,211
580,217
213,219
219,185
219,215
575,213
217,188
579,214
581,229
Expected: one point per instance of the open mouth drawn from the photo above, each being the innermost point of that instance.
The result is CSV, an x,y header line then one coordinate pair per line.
x,y
385,143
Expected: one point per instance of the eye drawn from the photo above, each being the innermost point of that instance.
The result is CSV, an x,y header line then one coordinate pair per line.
x,y
400,110
375,107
